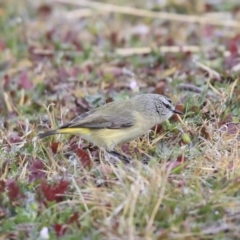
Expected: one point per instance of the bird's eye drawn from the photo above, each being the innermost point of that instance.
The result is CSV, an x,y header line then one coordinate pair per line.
x,y
167,106
169,100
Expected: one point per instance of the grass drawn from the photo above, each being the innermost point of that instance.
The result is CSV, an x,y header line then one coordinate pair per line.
x,y
183,182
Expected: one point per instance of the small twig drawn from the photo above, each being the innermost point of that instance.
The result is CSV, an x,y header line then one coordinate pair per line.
x,y
190,88
49,113
44,52
125,52
80,194
164,49
152,14
79,13
7,102
159,200
193,88
212,73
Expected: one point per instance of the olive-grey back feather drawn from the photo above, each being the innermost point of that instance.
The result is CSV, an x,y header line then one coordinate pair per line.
x,y
114,117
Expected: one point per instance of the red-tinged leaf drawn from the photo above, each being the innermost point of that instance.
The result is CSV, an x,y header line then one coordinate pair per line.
x,y
6,81
13,189
179,108
208,30
194,109
115,224
125,148
2,186
50,34
158,128
41,54
73,218
181,183
233,128
234,45
54,147
82,103
175,117
14,138
88,68
60,229
162,234
77,44
181,158
75,71
161,87
84,158
24,81
204,132
227,119
63,74
109,99
233,48
44,10
2,45
136,150
54,192
230,128
114,38
231,166
209,7
37,170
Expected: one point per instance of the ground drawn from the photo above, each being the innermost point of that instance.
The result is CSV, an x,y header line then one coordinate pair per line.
x,y
61,58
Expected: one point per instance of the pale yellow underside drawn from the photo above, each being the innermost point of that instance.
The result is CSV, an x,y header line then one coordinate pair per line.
x,y
108,138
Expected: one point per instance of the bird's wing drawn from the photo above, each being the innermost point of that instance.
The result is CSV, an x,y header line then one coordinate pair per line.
x,y
100,119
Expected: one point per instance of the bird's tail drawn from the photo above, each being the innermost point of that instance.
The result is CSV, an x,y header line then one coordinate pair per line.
x,y
83,131
47,134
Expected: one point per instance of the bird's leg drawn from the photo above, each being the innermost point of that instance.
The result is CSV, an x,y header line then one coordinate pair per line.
x,y
123,158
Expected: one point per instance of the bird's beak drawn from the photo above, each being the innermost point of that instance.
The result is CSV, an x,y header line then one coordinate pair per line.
x,y
177,112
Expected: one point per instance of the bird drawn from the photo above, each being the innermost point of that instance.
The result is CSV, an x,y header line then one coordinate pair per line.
x,y
120,121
